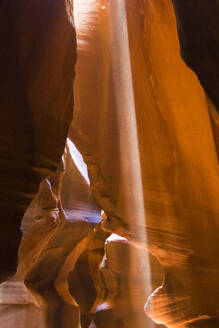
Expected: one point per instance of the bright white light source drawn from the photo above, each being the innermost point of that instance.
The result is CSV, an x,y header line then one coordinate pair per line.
x,y
115,237
78,160
103,7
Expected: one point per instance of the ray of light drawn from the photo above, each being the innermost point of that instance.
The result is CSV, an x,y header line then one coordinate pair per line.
x,y
130,155
85,14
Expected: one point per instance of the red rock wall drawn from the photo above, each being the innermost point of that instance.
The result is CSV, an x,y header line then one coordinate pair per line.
x,y
37,68
146,123
154,117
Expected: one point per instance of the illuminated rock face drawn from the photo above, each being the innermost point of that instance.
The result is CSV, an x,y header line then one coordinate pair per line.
x,y
149,136
56,234
36,107
124,282
78,275
174,128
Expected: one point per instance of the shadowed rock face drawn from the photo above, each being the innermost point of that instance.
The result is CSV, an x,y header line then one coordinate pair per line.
x,y
84,281
198,28
62,261
124,285
143,125
36,77
54,239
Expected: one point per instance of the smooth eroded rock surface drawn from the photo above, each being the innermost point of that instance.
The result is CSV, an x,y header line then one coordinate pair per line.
x,y
146,124
36,99
151,145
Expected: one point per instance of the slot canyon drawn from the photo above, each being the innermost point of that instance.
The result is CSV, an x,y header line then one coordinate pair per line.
x,y
109,177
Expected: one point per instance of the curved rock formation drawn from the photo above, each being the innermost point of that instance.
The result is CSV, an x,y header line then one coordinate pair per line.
x,y
124,271
36,101
84,280
60,260
198,30
152,116
148,132
54,240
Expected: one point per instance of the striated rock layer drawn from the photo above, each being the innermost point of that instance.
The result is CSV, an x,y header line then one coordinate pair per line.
x,y
58,227
148,132
36,106
78,276
150,144
123,278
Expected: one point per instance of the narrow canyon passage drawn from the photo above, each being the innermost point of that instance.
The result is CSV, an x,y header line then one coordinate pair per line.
x,y
109,189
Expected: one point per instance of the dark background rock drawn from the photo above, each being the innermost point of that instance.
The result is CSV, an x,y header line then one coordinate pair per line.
x,y
36,102
198,28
